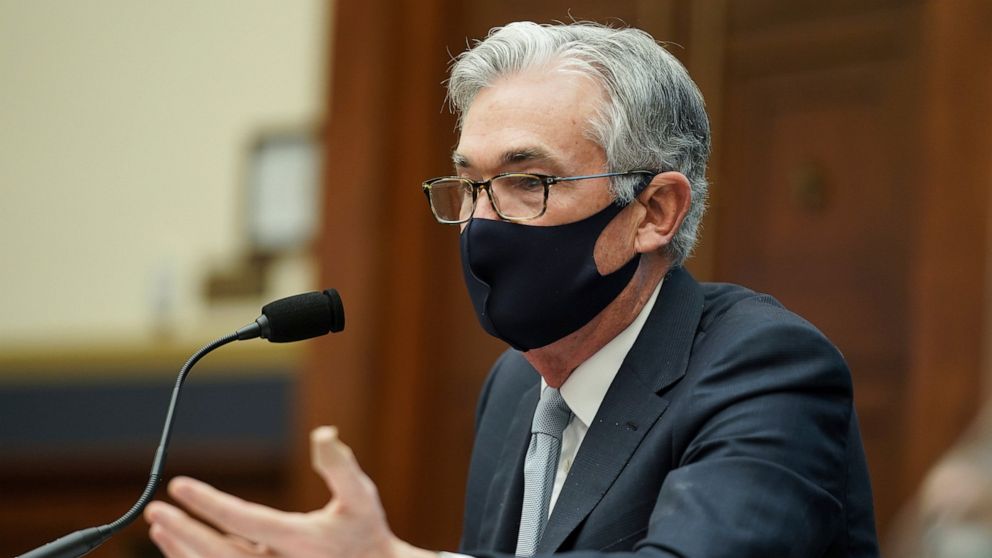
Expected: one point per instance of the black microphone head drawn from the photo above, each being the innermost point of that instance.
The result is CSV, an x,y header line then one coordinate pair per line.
x,y
302,316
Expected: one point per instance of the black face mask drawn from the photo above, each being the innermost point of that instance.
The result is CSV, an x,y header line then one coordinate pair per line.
x,y
532,285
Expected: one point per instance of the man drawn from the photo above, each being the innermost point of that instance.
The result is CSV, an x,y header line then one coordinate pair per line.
x,y
639,413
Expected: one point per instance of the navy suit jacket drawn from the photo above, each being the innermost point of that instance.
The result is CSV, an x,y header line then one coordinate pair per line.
x,y
728,431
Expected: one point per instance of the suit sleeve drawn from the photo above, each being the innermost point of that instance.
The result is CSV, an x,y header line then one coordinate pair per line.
x,y
763,471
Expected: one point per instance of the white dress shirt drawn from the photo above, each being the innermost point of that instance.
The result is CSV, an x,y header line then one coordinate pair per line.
x,y
584,390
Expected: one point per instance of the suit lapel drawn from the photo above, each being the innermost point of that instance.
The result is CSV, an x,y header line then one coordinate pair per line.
x,y
506,493
632,405
625,416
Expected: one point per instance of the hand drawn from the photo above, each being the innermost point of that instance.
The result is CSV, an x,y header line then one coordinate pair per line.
x,y
351,525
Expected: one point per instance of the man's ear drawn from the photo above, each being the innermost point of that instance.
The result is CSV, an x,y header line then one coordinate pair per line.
x,y
666,201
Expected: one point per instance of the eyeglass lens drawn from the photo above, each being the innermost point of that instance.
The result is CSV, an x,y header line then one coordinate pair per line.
x,y
451,199
516,196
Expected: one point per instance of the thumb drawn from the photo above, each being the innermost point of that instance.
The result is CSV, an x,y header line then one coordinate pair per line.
x,y
336,463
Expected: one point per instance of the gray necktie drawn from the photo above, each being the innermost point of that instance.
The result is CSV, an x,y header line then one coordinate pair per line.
x,y
550,420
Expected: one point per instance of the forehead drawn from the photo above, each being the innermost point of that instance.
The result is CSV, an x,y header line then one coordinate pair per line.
x,y
545,112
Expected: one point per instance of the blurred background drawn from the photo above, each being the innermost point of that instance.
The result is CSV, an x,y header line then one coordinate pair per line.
x,y
166,169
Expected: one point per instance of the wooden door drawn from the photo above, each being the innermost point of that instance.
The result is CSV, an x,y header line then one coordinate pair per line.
x,y
817,196
834,196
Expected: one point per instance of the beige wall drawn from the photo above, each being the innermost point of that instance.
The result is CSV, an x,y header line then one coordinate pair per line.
x,y
123,134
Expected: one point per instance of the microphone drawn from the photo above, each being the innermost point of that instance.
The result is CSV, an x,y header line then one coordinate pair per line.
x,y
298,317
289,319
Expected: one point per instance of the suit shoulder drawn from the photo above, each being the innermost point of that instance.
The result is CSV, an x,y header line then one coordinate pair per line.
x,y
729,305
510,376
744,325
511,373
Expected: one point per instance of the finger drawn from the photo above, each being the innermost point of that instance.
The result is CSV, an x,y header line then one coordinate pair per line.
x,y
171,547
335,462
184,536
167,543
248,546
230,513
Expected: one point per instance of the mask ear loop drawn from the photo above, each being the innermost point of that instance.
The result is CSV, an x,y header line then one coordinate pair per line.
x,y
643,183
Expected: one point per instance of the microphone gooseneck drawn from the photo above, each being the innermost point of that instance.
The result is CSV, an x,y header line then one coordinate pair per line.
x,y
83,541
163,446
289,319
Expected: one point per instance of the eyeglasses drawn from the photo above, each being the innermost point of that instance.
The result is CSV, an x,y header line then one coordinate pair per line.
x,y
515,196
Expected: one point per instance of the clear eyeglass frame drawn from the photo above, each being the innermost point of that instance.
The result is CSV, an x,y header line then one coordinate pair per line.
x,y
463,186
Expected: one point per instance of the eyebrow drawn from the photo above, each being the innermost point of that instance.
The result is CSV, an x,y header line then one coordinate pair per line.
x,y
509,157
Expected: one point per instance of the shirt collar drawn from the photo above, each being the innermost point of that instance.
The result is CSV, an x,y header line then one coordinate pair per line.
x,y
586,386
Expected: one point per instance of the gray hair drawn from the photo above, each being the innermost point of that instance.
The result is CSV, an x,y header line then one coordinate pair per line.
x,y
653,117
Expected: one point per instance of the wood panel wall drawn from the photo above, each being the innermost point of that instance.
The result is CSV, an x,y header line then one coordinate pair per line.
x,y
856,158
820,192
949,330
